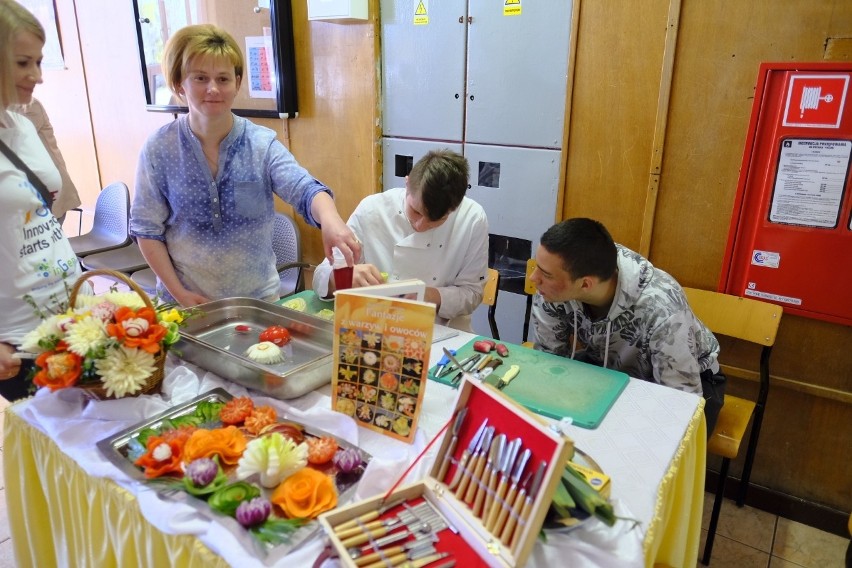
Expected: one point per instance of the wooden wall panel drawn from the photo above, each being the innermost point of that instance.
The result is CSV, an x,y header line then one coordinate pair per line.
x,y
616,84
336,136
719,48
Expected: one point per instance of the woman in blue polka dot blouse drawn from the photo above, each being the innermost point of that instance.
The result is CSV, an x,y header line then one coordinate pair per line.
x,y
203,210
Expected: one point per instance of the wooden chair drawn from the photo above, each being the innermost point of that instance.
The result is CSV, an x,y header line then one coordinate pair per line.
x,y
489,298
748,320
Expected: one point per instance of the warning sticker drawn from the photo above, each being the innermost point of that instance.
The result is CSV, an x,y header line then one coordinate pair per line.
x,y
512,8
421,13
774,297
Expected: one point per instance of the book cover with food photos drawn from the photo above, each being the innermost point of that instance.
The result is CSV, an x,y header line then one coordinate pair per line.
x,y
381,360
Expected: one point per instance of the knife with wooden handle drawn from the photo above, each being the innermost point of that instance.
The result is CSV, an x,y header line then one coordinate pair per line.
x,y
506,506
478,466
461,466
467,474
489,475
524,513
445,462
502,485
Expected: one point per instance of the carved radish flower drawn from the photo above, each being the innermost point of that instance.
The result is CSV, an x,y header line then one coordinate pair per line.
x,y
135,327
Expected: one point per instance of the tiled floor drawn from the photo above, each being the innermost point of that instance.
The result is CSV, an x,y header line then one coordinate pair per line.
x,y
745,538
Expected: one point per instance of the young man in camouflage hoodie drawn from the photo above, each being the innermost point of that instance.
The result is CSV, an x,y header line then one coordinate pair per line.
x,y
604,304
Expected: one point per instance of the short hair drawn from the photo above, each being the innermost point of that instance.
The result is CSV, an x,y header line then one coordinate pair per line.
x,y
199,40
585,247
440,177
14,18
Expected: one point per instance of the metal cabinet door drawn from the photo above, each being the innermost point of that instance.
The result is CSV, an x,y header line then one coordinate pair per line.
x,y
517,73
423,69
398,155
517,187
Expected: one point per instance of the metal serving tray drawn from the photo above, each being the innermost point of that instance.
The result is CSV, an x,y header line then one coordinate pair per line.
x,y
116,448
211,341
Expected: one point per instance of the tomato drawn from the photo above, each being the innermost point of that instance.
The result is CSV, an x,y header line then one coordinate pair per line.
x,y
236,410
260,418
242,328
321,450
276,334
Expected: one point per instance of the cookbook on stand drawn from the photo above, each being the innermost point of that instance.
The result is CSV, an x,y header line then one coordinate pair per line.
x,y
382,342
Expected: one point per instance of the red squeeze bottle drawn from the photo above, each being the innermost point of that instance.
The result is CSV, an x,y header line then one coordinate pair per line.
x,y
342,272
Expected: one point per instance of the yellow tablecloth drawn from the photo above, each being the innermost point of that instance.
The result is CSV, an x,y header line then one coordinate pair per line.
x,y
61,516
673,537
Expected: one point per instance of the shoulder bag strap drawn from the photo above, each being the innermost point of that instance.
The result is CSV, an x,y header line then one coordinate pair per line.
x,y
42,189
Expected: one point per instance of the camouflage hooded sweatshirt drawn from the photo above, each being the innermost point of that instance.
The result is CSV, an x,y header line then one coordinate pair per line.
x,y
649,333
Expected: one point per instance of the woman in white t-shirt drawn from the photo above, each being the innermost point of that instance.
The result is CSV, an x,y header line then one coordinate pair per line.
x,y
37,260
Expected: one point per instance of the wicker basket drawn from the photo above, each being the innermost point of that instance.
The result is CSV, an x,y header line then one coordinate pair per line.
x,y
152,384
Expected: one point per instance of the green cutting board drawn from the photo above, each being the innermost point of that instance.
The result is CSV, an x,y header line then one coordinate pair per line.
x,y
553,386
314,304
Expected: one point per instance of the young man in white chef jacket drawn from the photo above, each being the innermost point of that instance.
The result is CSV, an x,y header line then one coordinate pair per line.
x,y
426,230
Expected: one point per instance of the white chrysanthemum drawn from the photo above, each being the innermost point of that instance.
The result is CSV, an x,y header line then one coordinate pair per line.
x,y
86,335
130,299
124,370
274,457
46,331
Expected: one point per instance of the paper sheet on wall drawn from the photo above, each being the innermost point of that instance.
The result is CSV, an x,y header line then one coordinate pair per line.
x,y
260,71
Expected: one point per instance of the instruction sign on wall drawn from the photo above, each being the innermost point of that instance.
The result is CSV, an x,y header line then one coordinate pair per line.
x,y
790,238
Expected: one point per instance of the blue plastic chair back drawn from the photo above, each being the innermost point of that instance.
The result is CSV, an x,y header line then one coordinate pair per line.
x,y
285,244
110,227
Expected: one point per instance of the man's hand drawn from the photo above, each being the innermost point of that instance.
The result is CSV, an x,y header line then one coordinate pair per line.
x,y
366,275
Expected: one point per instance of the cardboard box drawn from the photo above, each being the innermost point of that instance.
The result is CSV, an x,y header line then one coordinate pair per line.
x,y
598,480
518,523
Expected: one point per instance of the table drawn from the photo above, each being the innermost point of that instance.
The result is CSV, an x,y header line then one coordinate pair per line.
x,y
68,505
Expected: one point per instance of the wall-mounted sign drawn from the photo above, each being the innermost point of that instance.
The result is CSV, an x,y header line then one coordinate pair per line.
x,y
809,182
816,100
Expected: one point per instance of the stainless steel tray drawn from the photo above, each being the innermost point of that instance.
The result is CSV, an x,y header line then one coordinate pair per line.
x,y
211,341
116,448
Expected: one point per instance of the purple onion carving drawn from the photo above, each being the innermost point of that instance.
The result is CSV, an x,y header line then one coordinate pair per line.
x,y
254,512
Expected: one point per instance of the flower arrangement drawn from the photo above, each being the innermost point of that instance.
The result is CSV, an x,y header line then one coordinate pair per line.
x,y
114,343
272,481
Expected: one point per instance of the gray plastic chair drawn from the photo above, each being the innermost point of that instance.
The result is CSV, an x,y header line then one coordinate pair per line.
x,y
110,227
288,254
147,280
125,259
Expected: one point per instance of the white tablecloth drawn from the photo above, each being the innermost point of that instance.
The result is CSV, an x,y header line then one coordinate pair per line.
x,y
635,445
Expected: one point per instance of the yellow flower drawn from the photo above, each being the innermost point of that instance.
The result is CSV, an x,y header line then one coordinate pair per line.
x,y
172,315
124,370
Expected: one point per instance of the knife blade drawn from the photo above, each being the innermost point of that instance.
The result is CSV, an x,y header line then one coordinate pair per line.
x,y
489,481
524,514
468,472
503,485
510,374
460,467
445,462
478,466
506,506
442,364
456,364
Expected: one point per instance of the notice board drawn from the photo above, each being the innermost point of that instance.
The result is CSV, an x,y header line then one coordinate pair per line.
x,y
790,239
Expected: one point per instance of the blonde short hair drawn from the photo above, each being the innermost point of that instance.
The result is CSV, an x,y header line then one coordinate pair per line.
x,y
14,18
198,40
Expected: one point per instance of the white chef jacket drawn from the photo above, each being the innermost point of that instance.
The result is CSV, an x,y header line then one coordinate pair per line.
x,y
452,257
